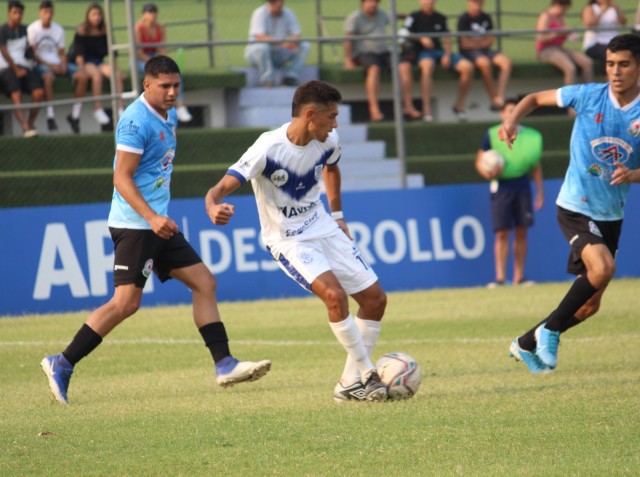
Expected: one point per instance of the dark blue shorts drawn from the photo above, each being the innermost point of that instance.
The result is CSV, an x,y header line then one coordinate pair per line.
x,y
511,204
367,60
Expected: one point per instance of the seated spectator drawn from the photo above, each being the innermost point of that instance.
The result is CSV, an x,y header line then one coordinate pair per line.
x,y
549,45
272,21
371,54
88,51
46,39
16,76
477,49
427,53
148,30
600,14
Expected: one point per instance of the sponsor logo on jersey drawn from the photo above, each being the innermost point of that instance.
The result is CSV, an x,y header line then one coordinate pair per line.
x,y
148,267
608,151
307,223
318,172
634,128
128,129
289,212
279,178
599,117
162,135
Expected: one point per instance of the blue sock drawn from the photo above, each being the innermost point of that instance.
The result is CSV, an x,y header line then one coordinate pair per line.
x,y
226,365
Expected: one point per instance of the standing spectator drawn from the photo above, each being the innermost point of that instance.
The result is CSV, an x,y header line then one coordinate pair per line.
x,y
636,22
549,45
427,53
511,204
287,168
604,162
16,75
371,53
600,14
46,38
477,49
279,25
146,240
148,30
88,51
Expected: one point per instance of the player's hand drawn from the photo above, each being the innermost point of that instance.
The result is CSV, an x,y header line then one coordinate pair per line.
x,y
508,132
220,214
622,175
343,226
164,227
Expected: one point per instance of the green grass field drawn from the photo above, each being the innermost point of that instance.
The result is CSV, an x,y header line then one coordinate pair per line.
x,y
145,402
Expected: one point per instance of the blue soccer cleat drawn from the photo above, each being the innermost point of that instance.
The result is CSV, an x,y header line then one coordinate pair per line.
x,y
58,371
547,345
230,371
535,365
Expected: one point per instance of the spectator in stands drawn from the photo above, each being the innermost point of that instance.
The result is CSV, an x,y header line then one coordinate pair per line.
x,y
427,53
46,39
511,203
88,51
600,14
371,54
148,30
274,22
477,49
636,23
16,75
549,44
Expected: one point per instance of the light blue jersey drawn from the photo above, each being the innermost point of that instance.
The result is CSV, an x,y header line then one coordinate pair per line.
x,y
603,133
142,130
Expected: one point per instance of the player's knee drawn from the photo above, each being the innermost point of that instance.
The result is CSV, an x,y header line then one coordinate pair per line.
x,y
127,309
379,303
335,296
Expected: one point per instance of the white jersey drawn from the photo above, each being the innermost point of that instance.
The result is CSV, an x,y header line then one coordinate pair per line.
x,y
46,42
286,181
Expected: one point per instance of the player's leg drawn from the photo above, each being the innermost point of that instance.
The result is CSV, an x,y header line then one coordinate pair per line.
x,y
519,253
180,261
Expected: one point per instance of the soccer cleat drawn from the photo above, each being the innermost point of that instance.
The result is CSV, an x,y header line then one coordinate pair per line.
x,y
58,375
74,123
529,358
547,345
374,388
354,392
51,124
243,371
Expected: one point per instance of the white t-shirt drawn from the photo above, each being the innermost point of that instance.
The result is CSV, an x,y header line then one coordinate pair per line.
x,y
46,42
608,19
279,27
286,180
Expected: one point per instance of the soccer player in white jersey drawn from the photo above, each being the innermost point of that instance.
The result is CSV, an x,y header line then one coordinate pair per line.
x,y
146,239
286,167
605,157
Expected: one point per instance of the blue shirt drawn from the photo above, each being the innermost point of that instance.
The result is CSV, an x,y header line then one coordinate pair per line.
x,y
142,130
603,133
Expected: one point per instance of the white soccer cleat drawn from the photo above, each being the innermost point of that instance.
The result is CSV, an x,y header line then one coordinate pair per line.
x,y
244,372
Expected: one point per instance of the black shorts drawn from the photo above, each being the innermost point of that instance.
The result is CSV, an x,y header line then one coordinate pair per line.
x,y
367,60
580,231
10,83
511,205
138,252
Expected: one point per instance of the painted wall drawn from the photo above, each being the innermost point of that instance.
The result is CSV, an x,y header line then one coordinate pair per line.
x,y
60,258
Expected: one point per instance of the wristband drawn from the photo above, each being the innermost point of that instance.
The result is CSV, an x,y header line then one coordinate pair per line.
x,y
337,215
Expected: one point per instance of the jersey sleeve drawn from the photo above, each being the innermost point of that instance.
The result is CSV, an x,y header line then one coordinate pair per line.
x,y
251,164
337,151
131,135
571,96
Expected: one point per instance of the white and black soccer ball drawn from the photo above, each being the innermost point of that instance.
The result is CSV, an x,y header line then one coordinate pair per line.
x,y
400,373
490,160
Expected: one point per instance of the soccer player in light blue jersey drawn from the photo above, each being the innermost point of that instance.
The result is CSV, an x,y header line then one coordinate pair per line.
x,y
605,160
147,240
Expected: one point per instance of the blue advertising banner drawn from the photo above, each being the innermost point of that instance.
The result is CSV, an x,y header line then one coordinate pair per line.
x,y
59,259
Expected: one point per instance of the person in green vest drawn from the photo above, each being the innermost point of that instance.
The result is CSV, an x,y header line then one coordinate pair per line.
x,y
511,200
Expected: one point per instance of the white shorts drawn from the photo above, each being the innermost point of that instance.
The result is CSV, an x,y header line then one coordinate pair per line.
x,y
304,261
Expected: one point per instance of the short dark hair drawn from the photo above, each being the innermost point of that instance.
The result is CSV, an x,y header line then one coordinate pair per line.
x,y
160,65
626,42
46,4
150,7
561,2
507,102
314,91
15,4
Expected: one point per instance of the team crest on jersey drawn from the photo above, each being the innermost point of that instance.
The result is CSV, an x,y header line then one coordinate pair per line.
x,y
148,267
279,177
608,151
593,228
318,172
634,128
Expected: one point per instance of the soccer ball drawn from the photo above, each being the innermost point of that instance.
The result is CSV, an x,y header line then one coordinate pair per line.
x,y
400,373
490,159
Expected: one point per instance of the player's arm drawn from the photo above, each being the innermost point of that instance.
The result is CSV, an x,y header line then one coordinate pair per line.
x,y
332,185
508,130
126,166
219,211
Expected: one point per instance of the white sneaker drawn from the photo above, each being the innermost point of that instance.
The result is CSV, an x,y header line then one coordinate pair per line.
x,y
101,117
30,133
184,116
244,371
120,112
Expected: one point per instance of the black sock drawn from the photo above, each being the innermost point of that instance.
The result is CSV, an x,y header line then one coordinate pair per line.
x,y
83,343
578,295
528,340
215,338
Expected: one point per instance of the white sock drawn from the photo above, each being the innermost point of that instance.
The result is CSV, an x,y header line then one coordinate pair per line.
x,y
50,113
350,338
370,330
75,110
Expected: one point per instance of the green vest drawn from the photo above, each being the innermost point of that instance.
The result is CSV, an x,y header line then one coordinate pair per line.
x,y
525,155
